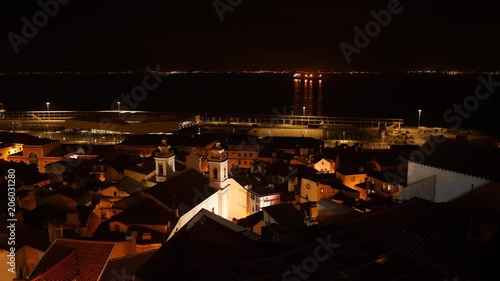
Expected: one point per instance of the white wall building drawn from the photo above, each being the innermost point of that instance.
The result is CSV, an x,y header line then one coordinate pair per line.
x,y
443,170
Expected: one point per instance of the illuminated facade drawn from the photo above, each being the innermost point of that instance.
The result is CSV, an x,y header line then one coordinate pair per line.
x,y
38,154
165,162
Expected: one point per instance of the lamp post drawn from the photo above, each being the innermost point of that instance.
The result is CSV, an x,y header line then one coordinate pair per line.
x,y
304,110
118,105
419,113
48,109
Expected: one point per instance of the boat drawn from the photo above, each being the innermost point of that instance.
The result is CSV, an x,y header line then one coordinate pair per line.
x,y
307,75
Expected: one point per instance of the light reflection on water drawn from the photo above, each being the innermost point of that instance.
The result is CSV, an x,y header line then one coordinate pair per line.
x,y
307,97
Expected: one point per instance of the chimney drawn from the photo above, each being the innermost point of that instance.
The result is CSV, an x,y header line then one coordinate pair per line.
x,y
131,236
55,230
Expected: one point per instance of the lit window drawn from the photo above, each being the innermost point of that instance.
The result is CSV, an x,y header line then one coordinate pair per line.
x,y
322,190
308,186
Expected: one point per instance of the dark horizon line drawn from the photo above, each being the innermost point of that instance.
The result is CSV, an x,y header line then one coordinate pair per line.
x,y
414,71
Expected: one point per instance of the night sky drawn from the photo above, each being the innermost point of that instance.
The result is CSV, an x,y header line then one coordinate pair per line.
x,y
277,35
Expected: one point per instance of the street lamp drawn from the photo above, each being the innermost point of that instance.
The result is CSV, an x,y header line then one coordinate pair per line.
x,y
119,105
48,109
419,113
304,110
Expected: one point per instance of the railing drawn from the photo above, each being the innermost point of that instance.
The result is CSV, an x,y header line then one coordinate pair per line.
x,y
299,120
66,114
209,119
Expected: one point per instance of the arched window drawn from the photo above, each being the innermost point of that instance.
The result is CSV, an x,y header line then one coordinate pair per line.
x,y
33,158
160,169
215,173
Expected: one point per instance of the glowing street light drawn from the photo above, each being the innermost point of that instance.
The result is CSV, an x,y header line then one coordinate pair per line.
x,y
48,109
419,113
119,105
304,110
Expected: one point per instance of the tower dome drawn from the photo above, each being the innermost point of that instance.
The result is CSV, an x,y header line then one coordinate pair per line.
x,y
217,152
164,148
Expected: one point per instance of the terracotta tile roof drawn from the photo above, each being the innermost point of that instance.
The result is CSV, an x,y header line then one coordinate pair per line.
x,y
251,220
374,251
125,267
206,241
67,258
285,215
65,269
129,185
185,190
373,247
464,158
147,212
416,227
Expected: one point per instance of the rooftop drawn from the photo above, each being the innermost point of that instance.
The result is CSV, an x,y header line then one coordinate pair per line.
x,y
25,139
26,235
129,185
200,140
251,220
285,214
387,176
204,242
381,246
185,190
67,259
464,158
145,168
125,267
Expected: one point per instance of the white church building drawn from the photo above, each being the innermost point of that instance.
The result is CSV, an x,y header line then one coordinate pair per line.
x,y
222,195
